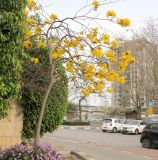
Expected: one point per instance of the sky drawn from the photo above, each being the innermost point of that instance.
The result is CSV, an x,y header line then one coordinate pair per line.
x,y
138,11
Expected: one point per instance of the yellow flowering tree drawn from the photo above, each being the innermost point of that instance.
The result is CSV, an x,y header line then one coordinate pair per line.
x,y
88,55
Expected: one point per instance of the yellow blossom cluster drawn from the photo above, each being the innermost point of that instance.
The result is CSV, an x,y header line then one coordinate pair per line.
x,y
31,4
97,52
111,13
125,60
58,52
72,43
110,90
92,36
114,44
27,44
111,56
31,21
53,16
70,67
88,71
41,44
37,30
35,60
96,4
124,22
105,38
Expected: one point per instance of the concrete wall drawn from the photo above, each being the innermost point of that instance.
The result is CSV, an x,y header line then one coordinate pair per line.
x,y
11,127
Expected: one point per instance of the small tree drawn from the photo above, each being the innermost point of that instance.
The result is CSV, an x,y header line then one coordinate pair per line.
x,y
88,55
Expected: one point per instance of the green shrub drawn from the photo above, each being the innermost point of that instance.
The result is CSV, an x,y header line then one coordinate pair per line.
x,y
35,82
11,51
76,123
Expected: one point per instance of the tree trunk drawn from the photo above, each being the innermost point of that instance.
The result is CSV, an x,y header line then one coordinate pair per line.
x,y
80,110
39,123
139,115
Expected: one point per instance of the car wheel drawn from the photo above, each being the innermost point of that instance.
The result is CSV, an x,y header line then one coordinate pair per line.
x,y
114,130
136,132
104,130
146,143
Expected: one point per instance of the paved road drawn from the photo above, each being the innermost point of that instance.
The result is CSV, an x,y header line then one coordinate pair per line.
x,y
102,146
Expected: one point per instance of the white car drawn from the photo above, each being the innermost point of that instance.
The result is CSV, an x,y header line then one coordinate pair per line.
x,y
134,127
111,124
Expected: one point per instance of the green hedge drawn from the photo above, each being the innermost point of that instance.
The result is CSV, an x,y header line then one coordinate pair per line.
x,y
76,123
35,81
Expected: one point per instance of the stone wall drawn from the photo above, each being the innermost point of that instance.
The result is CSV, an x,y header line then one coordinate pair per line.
x,y
11,127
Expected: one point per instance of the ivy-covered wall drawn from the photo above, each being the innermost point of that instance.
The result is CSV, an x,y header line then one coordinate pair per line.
x,y
11,51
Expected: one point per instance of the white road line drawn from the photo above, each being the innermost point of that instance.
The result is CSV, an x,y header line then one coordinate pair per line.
x,y
146,157
128,152
108,149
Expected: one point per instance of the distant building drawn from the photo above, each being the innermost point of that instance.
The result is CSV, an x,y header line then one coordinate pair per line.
x,y
138,82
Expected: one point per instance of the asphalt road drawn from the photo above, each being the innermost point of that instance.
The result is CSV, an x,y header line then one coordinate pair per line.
x,y
100,145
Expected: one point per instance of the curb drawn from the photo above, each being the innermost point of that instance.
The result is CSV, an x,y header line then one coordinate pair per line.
x,y
81,156
73,153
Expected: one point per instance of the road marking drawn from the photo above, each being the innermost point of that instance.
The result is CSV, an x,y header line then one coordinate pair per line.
x,y
107,149
146,157
127,152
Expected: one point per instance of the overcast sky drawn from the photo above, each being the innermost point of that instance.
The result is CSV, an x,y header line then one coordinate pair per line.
x,y
137,10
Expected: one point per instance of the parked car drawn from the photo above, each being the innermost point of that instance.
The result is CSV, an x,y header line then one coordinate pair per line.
x,y
149,136
111,124
124,122
134,126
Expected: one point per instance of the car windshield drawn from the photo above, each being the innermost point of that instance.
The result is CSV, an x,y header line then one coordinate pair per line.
x,y
107,120
133,122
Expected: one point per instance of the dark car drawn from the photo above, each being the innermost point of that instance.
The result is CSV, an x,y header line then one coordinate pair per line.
x,y
149,136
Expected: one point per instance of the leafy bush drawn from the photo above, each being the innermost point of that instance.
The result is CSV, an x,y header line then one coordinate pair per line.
x,y
35,80
35,152
76,123
11,51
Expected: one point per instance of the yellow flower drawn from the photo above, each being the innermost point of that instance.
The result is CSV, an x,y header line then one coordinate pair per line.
x,y
96,4
26,13
27,44
31,3
37,30
114,44
124,22
58,78
90,88
47,21
53,16
97,53
31,21
111,13
111,56
89,76
85,92
121,80
28,34
41,44
105,38
35,60
110,90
